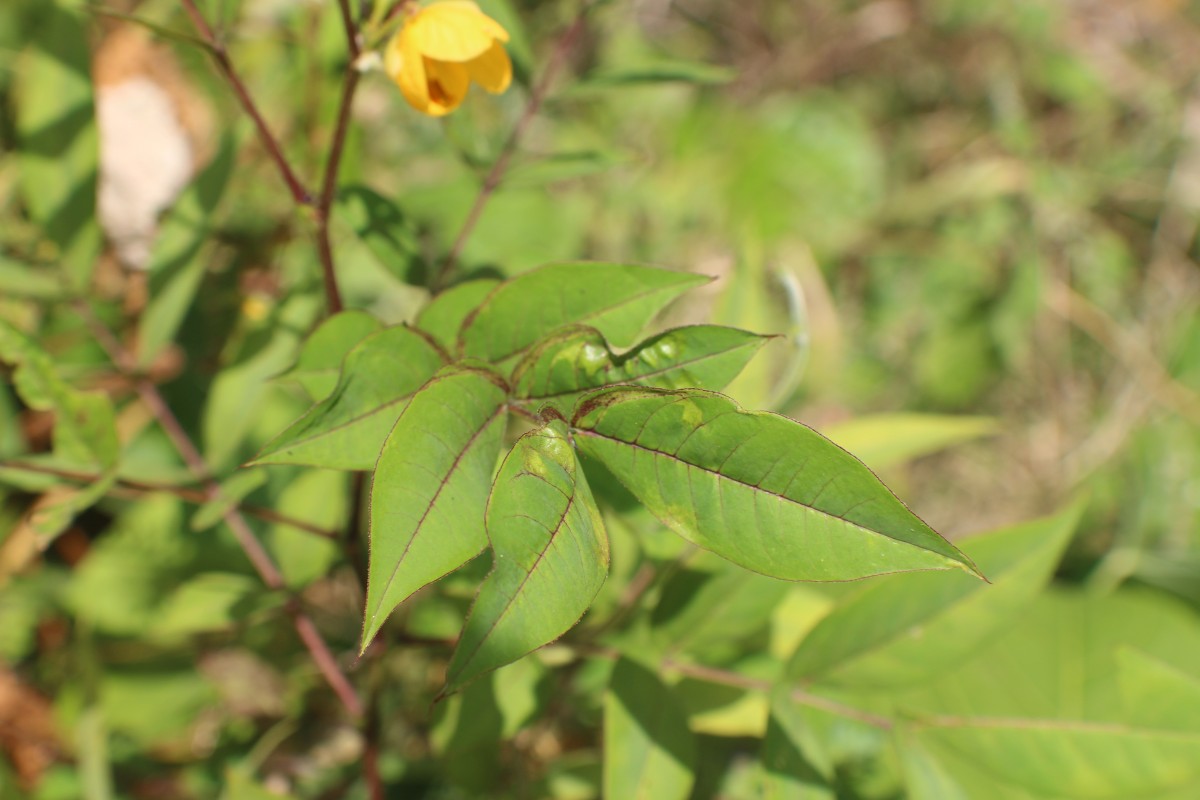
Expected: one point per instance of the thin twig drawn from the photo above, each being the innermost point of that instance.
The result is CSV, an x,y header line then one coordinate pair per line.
x,y
299,193
736,679
351,27
333,295
128,487
149,394
727,678
500,166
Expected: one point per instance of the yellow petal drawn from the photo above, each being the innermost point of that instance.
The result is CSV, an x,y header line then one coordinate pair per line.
x,y
403,63
455,30
448,82
492,70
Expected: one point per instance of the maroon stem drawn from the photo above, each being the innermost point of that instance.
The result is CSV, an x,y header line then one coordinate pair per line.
x,y
127,487
221,56
259,557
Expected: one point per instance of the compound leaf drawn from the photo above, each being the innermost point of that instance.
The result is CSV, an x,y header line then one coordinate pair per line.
x,y
758,489
431,487
550,556
616,299
575,360
347,428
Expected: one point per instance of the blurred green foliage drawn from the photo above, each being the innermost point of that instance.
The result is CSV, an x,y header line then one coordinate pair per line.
x,y
975,225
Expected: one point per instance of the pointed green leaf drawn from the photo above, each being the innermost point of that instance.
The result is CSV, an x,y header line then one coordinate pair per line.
x,y
902,629
388,234
444,315
795,766
758,489
347,428
649,752
711,612
234,489
320,360
178,259
572,361
886,439
550,556
1066,758
616,299
431,487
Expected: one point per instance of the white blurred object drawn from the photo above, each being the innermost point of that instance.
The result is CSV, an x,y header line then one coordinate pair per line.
x,y
145,161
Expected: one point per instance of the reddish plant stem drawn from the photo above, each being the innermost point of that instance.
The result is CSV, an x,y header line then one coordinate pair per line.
x,y
329,184
126,487
351,27
323,204
217,48
261,560
496,174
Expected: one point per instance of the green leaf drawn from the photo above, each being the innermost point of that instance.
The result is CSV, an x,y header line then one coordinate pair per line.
x,y
903,629
29,281
320,358
758,489
883,440
795,766
444,315
616,299
177,265
695,72
550,556
431,487
384,229
649,752
58,152
574,360
234,489
924,776
711,612
1075,759
347,428
85,431
1157,694
210,601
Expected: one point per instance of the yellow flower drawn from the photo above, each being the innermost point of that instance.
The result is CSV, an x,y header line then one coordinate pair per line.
x,y
441,49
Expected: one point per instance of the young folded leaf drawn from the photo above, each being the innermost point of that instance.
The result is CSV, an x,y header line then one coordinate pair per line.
x,y
431,487
572,361
550,556
347,428
758,489
616,299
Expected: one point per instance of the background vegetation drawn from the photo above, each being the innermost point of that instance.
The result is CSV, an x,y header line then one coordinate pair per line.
x,y
976,223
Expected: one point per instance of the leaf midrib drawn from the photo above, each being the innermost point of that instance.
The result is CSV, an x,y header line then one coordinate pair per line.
x,y
432,502
594,434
